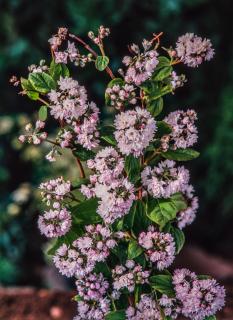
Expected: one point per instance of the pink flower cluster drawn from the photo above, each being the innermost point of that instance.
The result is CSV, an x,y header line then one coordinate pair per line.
x,y
146,309
55,223
88,310
198,298
73,54
69,103
86,251
142,65
121,96
193,50
116,193
92,287
165,179
177,81
58,38
171,306
70,262
184,131
128,276
160,247
134,131
34,135
187,216
54,190
86,127
96,243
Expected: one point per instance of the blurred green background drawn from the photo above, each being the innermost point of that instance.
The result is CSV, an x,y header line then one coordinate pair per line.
x,y
25,27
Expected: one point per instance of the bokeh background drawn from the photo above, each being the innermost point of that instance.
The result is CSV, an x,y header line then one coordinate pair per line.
x,y
25,27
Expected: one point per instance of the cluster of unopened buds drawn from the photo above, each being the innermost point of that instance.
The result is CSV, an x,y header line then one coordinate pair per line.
x,y
121,96
122,224
33,134
102,33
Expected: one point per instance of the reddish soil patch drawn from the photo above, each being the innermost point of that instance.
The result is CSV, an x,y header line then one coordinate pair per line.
x,y
32,304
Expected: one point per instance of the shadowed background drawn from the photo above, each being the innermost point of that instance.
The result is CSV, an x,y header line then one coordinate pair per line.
x,y
25,28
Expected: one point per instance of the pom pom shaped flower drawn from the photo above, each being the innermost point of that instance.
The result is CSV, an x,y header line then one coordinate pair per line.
x,y
121,96
55,223
165,179
69,101
211,298
142,65
128,276
92,310
187,216
184,131
92,287
160,247
116,199
54,189
96,243
146,308
134,131
198,298
107,164
70,262
193,50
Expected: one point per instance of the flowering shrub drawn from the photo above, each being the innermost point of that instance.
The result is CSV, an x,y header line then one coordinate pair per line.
x,y
119,227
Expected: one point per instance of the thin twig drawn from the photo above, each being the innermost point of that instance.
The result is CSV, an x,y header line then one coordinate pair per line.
x,y
81,170
87,47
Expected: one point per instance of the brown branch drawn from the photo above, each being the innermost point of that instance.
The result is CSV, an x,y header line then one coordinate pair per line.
x,y
88,48
81,170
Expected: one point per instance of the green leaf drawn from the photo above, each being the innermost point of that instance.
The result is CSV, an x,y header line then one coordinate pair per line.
x,y
101,63
132,168
155,107
107,135
161,211
163,62
83,154
179,238
116,81
179,201
77,183
58,70
28,88
33,95
136,220
77,298
181,154
43,113
134,250
163,284
85,212
162,129
42,82
163,73
116,315
210,318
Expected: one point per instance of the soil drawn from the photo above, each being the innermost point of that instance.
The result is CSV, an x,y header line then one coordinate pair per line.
x,y
32,304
